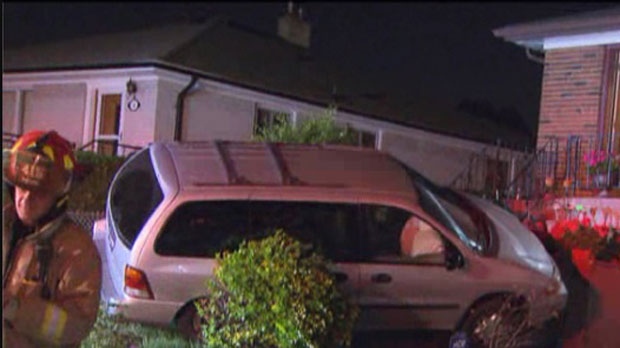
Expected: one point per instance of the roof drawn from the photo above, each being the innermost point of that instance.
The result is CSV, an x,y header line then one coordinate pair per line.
x,y
532,34
224,163
224,51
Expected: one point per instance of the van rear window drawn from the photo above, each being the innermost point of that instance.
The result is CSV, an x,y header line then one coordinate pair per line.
x,y
134,195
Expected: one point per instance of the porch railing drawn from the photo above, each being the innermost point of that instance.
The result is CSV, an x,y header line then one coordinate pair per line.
x,y
549,168
125,149
8,139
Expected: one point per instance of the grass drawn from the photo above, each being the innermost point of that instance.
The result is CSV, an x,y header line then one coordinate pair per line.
x,y
114,332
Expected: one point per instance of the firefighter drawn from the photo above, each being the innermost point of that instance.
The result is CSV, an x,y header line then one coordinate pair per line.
x,y
51,269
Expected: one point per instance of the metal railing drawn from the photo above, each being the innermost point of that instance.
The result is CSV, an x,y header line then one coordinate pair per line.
x,y
8,139
114,145
492,172
550,168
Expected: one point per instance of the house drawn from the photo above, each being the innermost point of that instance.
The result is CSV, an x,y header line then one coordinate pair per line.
x,y
580,100
215,79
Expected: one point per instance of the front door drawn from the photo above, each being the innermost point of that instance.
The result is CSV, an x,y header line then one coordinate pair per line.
x,y
108,131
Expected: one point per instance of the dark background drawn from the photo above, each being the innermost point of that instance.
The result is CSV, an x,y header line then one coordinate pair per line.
x,y
442,52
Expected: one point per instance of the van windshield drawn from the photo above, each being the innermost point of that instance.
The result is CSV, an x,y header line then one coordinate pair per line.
x,y
453,211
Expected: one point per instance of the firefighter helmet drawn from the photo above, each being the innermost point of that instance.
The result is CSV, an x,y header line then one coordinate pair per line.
x,y
40,161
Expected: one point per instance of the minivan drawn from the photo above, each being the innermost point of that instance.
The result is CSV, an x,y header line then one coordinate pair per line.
x,y
410,253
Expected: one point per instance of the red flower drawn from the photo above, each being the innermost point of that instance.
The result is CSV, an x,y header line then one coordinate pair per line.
x,y
573,225
602,230
558,230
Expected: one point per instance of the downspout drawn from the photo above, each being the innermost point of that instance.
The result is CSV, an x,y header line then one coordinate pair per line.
x,y
532,57
179,108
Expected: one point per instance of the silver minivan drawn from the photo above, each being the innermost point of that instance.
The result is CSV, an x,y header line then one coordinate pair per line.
x,y
412,254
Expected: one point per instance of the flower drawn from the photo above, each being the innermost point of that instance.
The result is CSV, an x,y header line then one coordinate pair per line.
x,y
580,234
597,161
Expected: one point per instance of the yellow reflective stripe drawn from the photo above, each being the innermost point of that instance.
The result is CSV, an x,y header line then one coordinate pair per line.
x,y
48,151
17,145
54,322
68,162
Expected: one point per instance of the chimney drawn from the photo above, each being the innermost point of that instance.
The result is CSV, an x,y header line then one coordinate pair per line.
x,y
292,27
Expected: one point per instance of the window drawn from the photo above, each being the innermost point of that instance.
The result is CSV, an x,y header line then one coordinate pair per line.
x,y
363,138
202,229
135,193
395,235
331,228
610,107
265,118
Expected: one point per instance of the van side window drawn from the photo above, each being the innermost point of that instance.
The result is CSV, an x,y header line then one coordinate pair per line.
x,y
204,228
395,235
135,193
330,228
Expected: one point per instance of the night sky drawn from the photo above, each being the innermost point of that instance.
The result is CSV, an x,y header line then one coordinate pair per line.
x,y
442,52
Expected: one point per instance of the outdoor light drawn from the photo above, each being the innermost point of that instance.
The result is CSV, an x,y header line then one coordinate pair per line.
x,y
132,88
133,104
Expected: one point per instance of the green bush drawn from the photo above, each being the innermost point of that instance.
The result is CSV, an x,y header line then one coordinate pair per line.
x,y
320,129
273,293
93,176
114,332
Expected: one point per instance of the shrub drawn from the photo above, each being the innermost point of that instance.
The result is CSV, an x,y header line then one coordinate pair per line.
x,y
273,293
93,175
320,129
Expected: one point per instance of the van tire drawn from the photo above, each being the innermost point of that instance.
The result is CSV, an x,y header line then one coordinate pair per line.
x,y
188,321
481,319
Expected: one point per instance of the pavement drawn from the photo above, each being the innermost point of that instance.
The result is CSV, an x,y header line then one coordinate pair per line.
x,y
601,324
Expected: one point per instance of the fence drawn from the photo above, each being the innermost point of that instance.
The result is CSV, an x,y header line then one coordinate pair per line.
x,y
86,219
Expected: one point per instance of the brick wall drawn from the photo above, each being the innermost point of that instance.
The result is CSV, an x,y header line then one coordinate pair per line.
x,y
571,95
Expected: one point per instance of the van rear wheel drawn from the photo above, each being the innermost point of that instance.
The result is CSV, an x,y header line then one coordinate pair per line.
x,y
188,322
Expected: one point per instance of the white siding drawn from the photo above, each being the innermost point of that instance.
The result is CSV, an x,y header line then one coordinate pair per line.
x,y
211,116
165,112
440,162
59,107
138,126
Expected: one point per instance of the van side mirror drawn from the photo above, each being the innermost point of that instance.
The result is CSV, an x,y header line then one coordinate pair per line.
x,y
454,259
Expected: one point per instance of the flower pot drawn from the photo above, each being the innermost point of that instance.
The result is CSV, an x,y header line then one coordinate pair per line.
x,y
583,260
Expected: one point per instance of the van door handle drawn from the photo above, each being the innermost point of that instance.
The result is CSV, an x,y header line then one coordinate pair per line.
x,y
340,277
381,278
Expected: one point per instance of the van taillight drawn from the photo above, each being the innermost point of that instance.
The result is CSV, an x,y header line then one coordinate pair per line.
x,y
136,284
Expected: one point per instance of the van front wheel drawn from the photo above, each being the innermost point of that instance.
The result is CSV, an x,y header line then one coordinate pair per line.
x,y
498,322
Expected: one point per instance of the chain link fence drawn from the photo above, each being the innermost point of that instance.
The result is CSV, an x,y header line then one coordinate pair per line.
x,y
86,219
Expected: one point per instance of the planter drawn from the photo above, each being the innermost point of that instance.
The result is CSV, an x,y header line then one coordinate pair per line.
x,y
584,261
